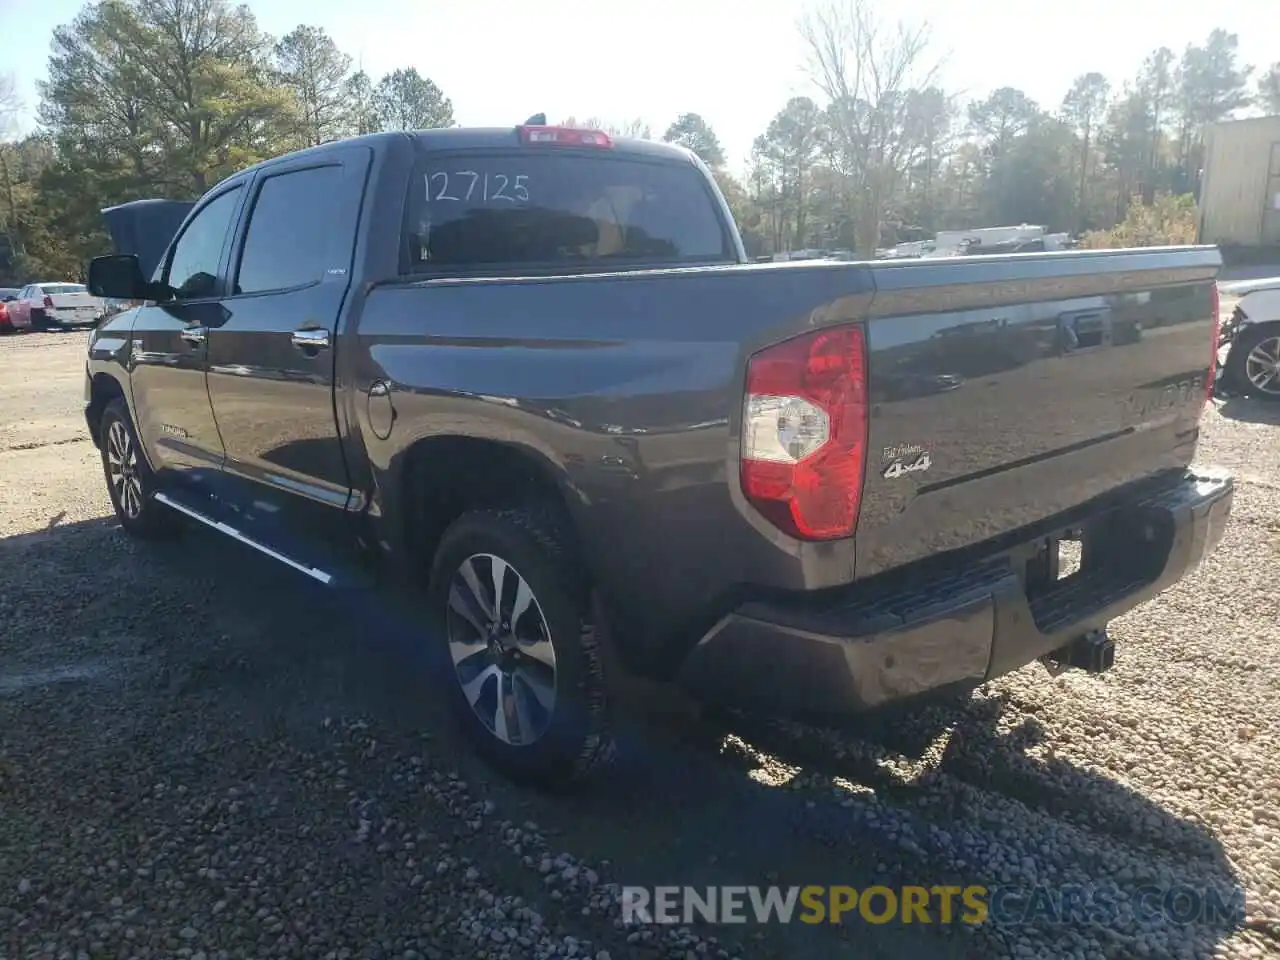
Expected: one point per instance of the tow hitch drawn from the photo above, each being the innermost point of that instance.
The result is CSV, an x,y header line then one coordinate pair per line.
x,y
1093,652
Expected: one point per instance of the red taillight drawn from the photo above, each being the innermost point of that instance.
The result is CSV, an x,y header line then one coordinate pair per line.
x,y
564,136
804,433
48,303
1215,304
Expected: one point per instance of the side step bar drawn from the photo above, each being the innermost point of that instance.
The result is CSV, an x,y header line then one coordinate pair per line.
x,y
313,572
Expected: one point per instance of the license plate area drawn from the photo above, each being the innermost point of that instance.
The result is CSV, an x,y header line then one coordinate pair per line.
x,y
1053,559
1120,544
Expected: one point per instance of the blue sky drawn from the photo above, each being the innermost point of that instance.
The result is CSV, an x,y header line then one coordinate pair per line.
x,y
734,61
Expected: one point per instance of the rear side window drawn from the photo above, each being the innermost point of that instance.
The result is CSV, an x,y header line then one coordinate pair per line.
x,y
560,211
291,229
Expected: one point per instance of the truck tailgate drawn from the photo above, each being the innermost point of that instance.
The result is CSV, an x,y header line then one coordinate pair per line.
x,y
1006,390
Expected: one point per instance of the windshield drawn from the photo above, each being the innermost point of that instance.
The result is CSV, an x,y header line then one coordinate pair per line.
x,y
55,288
561,210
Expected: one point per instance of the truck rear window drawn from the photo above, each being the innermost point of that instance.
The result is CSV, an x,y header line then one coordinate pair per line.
x,y
561,210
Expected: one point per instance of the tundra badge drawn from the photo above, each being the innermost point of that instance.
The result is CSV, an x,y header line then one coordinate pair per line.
x,y
905,458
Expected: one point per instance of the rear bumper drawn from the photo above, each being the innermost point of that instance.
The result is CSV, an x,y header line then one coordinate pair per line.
x,y
962,626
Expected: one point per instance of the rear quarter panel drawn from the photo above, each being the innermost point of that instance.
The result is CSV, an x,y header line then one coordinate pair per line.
x,y
629,387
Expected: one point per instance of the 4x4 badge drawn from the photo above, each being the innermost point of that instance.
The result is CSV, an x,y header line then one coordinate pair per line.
x,y
901,467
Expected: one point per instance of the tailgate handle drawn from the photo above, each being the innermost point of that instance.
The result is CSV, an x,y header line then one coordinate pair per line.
x,y
1081,330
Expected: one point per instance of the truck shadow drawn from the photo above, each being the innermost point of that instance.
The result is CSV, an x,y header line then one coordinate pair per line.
x,y
955,794
945,794
1250,410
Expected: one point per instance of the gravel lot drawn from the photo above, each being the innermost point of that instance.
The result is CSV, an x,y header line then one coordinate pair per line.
x,y
203,755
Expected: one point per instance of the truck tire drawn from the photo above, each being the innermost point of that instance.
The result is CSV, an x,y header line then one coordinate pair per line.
x,y
537,646
1259,342
130,482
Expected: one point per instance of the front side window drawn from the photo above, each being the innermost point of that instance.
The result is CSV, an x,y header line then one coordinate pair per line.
x,y
291,229
561,211
193,268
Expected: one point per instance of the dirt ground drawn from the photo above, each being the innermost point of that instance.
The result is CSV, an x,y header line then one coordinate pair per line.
x,y
203,755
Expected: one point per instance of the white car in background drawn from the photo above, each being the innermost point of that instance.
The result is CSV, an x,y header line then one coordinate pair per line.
x,y
54,304
1249,355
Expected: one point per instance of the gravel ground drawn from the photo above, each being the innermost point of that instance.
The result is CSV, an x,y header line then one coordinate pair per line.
x,y
203,755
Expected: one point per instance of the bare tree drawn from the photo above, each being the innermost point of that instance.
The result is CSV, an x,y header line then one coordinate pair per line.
x,y
636,129
10,103
867,70
1156,83
313,67
1083,107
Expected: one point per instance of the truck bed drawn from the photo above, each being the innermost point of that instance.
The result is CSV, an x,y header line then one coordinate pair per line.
x,y
630,386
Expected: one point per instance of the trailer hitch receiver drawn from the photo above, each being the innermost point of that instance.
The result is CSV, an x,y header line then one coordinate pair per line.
x,y
1093,652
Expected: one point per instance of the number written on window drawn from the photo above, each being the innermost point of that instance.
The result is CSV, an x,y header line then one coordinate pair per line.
x,y
469,186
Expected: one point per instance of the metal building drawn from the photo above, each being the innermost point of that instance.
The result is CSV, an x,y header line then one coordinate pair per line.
x,y
1240,188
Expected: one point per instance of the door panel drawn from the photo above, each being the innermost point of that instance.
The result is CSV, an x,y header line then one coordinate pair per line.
x,y
169,343
271,361
171,404
274,400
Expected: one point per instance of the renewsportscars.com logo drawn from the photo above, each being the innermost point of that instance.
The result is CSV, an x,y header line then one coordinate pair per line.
x,y
811,904
973,904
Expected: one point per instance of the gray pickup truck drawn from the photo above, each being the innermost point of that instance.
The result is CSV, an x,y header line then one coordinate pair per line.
x,y
533,369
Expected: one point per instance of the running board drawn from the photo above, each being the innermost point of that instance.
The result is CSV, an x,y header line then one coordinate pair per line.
x,y
313,572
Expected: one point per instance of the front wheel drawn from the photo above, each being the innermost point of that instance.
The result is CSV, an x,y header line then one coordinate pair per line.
x,y
130,482
518,644
1253,365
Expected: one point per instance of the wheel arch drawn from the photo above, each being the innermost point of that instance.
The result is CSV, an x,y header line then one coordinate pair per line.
x,y
1261,306
103,389
442,477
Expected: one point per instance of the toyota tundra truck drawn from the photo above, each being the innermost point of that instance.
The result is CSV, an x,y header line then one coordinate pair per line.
x,y
533,369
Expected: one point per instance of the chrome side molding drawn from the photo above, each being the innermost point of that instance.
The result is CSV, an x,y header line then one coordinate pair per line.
x,y
312,572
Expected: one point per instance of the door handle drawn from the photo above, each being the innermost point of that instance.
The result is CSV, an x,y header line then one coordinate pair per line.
x,y
195,335
311,339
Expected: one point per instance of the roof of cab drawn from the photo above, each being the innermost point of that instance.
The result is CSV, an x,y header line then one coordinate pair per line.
x,y
470,138
486,138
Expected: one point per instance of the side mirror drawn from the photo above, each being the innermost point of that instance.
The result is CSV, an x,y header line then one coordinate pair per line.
x,y
118,276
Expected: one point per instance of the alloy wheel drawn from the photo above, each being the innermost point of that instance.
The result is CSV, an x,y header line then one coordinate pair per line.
x,y
1262,366
122,470
501,649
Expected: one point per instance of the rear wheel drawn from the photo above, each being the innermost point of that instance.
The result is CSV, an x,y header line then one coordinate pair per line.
x,y
517,643
130,482
1254,362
